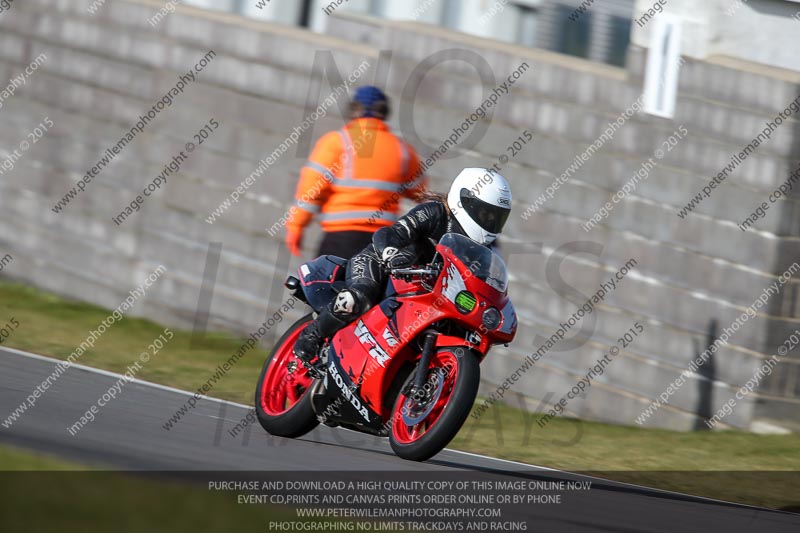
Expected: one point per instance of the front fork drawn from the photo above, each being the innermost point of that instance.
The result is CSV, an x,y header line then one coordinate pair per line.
x,y
416,389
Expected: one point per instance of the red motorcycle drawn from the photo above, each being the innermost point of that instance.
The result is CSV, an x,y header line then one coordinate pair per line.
x,y
409,367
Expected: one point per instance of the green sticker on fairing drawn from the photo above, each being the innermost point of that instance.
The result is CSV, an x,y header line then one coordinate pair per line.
x,y
465,301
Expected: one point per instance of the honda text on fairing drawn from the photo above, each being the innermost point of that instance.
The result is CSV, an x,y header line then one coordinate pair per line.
x,y
408,368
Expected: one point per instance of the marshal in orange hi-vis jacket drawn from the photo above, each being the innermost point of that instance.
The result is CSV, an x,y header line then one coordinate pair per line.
x,y
354,179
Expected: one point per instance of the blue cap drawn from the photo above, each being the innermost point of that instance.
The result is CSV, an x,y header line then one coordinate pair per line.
x,y
368,96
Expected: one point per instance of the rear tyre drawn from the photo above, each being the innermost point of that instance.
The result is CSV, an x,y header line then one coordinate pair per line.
x,y
283,399
421,430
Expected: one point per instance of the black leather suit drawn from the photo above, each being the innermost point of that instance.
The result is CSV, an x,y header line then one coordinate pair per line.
x,y
411,239
413,236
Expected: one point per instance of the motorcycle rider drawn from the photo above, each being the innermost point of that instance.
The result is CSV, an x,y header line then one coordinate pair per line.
x,y
477,206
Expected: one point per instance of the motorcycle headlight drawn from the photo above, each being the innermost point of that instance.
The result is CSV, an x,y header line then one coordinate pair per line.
x,y
491,318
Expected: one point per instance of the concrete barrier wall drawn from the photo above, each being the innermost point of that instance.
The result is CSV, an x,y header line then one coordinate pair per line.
x,y
693,276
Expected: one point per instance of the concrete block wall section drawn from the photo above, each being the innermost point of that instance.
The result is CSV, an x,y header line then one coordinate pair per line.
x,y
755,171
104,70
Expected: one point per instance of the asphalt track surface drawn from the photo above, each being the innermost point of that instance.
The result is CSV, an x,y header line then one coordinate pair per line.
x,y
127,434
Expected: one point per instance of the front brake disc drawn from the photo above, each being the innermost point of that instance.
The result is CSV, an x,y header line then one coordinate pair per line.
x,y
415,411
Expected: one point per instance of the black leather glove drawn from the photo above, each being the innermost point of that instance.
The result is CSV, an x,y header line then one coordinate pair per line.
x,y
393,258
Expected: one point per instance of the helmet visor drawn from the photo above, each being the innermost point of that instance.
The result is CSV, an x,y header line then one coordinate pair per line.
x,y
490,217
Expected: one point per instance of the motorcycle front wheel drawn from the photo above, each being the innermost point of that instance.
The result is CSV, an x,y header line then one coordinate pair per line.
x,y
421,429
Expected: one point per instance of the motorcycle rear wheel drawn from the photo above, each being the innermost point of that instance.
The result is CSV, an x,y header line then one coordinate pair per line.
x,y
283,398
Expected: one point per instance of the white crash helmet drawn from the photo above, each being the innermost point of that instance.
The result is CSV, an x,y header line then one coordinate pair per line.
x,y
480,199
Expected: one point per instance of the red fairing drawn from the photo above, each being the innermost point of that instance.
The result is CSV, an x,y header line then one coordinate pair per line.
x,y
455,272
375,346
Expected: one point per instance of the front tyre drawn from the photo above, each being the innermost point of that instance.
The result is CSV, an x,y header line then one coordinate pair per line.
x,y
283,401
421,429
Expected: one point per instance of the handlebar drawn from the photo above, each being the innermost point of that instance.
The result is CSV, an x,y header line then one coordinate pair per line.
x,y
414,272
